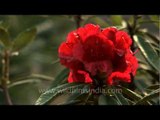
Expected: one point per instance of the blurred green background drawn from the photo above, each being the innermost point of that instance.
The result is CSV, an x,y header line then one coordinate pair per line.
x,y
40,57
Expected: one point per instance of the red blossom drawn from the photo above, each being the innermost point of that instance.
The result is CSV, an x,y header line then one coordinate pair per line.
x,y
90,52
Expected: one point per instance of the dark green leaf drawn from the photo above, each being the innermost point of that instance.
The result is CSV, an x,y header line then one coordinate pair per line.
x,y
154,94
24,38
73,96
140,84
148,52
52,93
130,102
131,93
107,100
156,40
149,36
72,102
1,90
4,25
4,37
60,77
120,98
78,92
153,87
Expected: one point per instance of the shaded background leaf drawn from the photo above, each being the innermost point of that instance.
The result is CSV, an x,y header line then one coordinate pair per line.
x,y
4,37
150,96
23,39
148,52
107,100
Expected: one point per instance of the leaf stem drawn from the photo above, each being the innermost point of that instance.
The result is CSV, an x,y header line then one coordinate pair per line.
x,y
5,76
78,20
132,29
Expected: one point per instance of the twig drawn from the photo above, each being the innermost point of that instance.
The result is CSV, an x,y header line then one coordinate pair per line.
x,y
78,20
5,76
132,30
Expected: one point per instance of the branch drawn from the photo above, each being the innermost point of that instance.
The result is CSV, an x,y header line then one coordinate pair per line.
x,y
78,20
5,76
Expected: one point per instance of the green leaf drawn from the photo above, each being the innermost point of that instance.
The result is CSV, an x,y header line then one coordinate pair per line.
x,y
1,90
148,52
153,87
60,77
131,93
116,19
77,93
72,102
154,94
23,82
96,20
140,85
152,38
155,18
4,25
107,100
120,98
23,39
52,93
4,37
130,102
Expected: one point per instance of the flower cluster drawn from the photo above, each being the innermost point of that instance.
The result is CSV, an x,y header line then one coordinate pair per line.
x,y
102,54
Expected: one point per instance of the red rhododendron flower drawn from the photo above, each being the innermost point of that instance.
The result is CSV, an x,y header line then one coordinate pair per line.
x,y
91,52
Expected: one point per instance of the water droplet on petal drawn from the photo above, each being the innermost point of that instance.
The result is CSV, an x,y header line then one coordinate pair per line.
x,y
76,35
127,62
120,52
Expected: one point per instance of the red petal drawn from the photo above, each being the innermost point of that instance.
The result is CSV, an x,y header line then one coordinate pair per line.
x,y
125,77
86,75
67,58
99,66
122,42
97,48
79,76
122,36
65,49
78,51
110,33
119,63
92,28
88,30
82,33
72,37
132,63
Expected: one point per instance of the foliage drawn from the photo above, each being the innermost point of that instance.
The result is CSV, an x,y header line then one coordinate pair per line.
x,y
36,76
